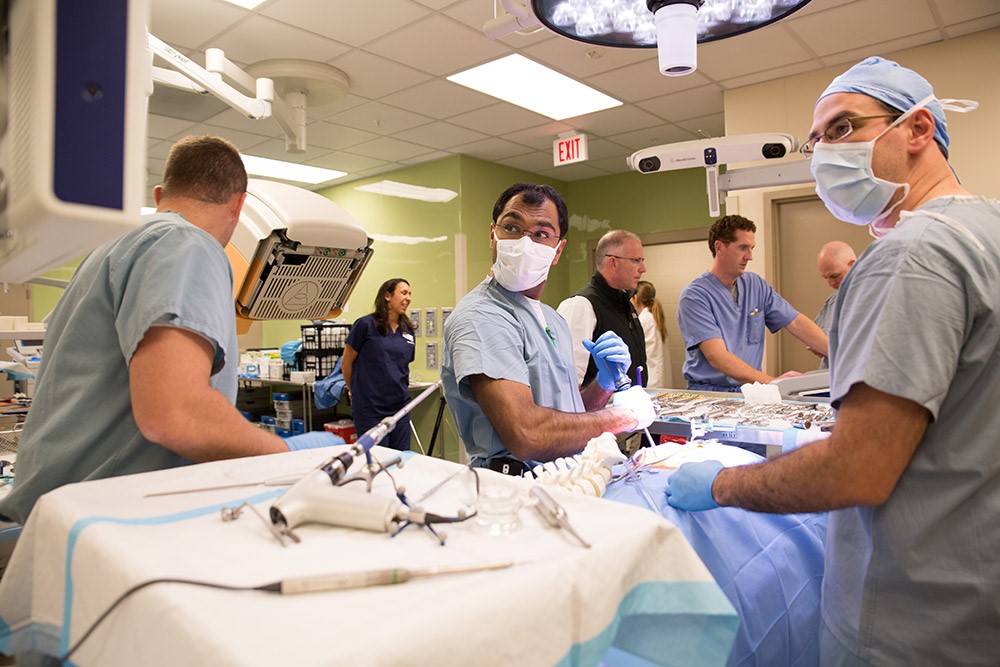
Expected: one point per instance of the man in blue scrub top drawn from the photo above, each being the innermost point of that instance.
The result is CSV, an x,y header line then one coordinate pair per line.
x,y
722,314
141,357
507,361
912,572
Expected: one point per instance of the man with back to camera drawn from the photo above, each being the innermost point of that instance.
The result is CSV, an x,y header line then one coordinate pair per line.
x,y
835,259
507,361
722,314
912,574
141,357
604,304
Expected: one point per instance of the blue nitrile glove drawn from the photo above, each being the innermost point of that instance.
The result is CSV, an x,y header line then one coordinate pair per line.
x,y
612,358
690,487
638,401
312,440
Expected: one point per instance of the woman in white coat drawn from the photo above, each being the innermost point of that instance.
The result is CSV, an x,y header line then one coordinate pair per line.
x,y
654,326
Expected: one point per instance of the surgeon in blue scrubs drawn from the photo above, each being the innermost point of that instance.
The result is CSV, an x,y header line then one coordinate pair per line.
x,y
722,314
376,363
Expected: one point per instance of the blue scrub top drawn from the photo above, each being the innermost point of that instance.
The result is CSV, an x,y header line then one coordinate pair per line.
x,y
80,427
707,310
496,333
380,378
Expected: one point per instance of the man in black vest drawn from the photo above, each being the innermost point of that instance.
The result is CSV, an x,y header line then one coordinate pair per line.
x,y
604,304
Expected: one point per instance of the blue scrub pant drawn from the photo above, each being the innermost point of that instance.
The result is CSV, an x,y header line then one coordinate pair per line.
x,y
398,438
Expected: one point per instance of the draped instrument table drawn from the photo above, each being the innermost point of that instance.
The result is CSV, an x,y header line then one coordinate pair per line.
x,y
641,588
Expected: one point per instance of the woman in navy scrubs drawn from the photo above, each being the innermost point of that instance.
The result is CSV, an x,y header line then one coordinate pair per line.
x,y
376,363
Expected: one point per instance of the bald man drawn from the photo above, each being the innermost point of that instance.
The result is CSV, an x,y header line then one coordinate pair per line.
x,y
835,259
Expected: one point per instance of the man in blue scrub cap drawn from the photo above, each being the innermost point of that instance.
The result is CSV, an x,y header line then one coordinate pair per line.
x,y
141,357
507,362
911,467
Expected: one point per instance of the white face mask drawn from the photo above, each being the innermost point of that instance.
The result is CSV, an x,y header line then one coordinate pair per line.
x,y
521,263
847,184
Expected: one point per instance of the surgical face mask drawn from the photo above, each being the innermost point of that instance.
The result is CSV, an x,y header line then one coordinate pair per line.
x,y
521,263
847,184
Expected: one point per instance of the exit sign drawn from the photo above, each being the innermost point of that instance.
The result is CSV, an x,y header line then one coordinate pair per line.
x,y
569,149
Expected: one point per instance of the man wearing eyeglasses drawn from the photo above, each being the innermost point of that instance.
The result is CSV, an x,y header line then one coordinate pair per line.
x,y
912,574
722,314
507,360
604,304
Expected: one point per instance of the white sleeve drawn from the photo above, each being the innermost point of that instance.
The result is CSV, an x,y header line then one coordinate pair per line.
x,y
654,352
579,314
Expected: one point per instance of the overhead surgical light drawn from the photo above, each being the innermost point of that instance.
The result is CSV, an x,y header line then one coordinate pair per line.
x,y
672,26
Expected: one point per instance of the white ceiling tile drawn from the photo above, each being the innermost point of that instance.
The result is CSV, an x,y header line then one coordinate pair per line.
x,y
772,74
856,55
232,119
713,125
882,21
379,118
174,103
599,149
534,162
158,149
373,76
540,136
327,111
499,119
642,81
976,25
387,148
619,119
375,171
953,12
440,135
686,104
164,127
426,157
583,60
171,21
652,136
259,38
762,49
437,4
349,21
438,98
336,137
573,172
438,45
344,161
275,150
612,165
491,149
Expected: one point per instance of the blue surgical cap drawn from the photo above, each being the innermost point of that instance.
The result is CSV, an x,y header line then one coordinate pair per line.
x,y
894,85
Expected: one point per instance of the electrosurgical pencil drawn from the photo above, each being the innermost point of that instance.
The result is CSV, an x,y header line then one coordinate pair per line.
x,y
365,578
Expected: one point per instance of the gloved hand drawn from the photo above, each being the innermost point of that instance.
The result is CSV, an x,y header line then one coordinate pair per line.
x,y
690,487
638,401
612,358
312,440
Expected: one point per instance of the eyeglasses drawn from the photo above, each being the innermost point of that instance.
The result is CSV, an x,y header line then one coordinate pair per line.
x,y
838,130
512,230
636,260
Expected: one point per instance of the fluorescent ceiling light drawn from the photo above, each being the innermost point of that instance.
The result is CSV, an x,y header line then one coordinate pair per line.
x,y
407,191
246,4
288,171
527,84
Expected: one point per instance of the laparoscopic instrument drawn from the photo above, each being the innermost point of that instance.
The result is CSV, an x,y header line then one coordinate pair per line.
x,y
322,496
